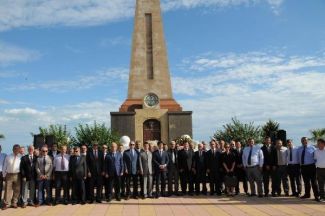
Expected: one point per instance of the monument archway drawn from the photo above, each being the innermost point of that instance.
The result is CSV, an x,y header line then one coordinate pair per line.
x,y
151,130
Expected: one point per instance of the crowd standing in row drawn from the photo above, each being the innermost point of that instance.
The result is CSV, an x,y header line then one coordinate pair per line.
x,y
77,173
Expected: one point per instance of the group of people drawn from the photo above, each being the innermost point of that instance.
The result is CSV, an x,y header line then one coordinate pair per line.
x,y
82,174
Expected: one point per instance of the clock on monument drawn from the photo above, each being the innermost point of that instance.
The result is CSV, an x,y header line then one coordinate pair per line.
x,y
151,100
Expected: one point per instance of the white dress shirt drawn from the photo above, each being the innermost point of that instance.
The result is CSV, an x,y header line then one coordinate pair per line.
x,y
58,162
11,165
257,157
319,156
2,160
282,156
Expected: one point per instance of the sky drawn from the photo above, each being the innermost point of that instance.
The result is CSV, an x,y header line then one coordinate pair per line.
x,y
67,62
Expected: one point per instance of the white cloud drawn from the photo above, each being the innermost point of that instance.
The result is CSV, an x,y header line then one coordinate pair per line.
x,y
26,13
83,82
10,54
120,40
254,86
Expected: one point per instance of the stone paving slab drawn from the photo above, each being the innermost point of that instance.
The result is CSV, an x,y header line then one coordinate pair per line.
x,y
197,205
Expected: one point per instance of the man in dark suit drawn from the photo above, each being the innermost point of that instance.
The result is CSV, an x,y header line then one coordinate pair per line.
x,y
185,159
269,167
131,169
138,145
160,161
173,175
239,169
28,177
78,175
95,161
114,170
199,170
213,168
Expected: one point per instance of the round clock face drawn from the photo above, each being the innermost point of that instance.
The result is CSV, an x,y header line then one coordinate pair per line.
x,y
151,100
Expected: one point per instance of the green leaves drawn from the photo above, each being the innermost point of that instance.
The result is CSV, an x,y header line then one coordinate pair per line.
x,y
317,134
237,130
84,134
2,136
88,134
270,128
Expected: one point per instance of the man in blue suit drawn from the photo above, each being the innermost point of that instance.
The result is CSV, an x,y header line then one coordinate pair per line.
x,y
131,169
114,171
160,162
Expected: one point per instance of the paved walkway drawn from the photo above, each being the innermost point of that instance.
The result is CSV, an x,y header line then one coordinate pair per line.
x,y
201,206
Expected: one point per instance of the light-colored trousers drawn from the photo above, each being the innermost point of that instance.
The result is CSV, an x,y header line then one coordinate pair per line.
x,y
28,191
12,188
147,185
254,174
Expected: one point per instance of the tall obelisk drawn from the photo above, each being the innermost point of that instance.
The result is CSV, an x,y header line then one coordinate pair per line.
x,y
150,111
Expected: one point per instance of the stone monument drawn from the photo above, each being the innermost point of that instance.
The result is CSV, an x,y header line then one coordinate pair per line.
x,y
150,111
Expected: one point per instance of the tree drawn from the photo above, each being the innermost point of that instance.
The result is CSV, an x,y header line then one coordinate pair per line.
x,y
61,135
317,134
2,136
88,134
270,128
236,130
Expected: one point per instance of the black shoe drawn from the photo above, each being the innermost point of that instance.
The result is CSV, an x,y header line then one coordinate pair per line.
x,y
83,203
260,196
317,199
118,199
266,195
252,195
305,197
98,201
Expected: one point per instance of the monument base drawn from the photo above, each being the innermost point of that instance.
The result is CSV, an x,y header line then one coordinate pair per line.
x,y
154,124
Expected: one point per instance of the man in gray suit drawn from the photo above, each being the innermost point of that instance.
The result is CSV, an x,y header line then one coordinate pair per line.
x,y
146,170
44,167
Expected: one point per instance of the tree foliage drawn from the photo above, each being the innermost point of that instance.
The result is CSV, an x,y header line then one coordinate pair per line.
x,y
317,134
99,133
270,128
2,136
61,135
237,130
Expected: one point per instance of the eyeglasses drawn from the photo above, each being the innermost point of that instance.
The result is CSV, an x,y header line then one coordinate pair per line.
x,y
132,144
44,151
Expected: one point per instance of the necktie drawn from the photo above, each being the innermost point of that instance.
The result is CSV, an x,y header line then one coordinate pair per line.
x,y
280,157
62,163
96,154
160,153
44,164
303,156
173,156
249,160
290,154
31,159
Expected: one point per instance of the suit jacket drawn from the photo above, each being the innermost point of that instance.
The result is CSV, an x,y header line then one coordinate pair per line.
x,y
131,162
160,160
95,166
78,167
185,159
53,155
40,168
28,168
146,163
114,165
170,156
214,161
199,163
270,157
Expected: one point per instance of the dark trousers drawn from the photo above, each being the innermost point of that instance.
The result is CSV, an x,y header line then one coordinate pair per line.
x,y
134,179
241,176
106,187
114,181
161,177
87,186
95,181
173,180
295,178
122,185
321,181
1,185
309,176
78,190
215,183
61,180
200,178
140,178
267,174
281,175
44,188
186,181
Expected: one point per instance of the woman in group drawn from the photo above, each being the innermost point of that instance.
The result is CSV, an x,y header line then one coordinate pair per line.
x,y
228,163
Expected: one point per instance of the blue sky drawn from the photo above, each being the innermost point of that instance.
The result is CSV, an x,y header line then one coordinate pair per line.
x,y
68,62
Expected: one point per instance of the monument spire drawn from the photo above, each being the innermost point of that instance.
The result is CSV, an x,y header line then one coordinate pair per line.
x,y
149,70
